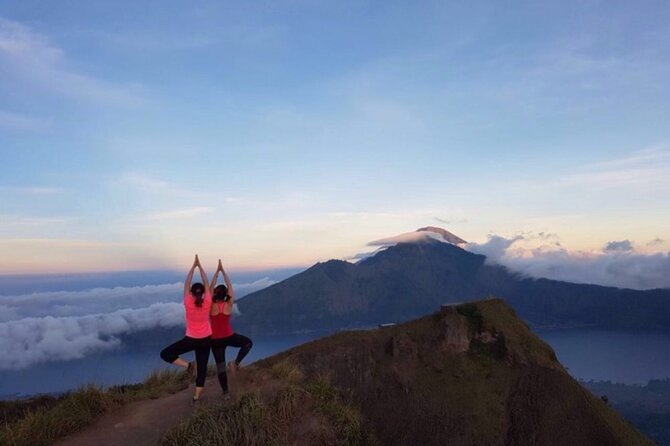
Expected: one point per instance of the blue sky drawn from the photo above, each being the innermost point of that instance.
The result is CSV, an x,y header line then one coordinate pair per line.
x,y
134,134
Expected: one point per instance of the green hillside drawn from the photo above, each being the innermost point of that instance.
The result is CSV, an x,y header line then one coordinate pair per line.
x,y
468,374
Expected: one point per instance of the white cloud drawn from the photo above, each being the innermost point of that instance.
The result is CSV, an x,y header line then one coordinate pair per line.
x,y
648,167
408,237
419,236
28,57
623,267
495,248
618,177
451,220
653,154
180,213
8,313
33,340
62,325
364,255
102,300
243,289
144,182
97,300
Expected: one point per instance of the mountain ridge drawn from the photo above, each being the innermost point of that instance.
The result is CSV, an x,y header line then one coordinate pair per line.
x,y
410,279
470,373
467,374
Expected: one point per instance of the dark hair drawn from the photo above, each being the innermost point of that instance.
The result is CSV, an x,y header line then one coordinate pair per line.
x,y
220,293
197,290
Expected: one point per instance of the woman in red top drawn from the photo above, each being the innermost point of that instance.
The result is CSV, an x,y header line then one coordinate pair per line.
x,y
197,303
222,333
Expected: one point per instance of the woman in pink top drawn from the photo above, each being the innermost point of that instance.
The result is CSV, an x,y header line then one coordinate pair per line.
x,y
222,333
197,304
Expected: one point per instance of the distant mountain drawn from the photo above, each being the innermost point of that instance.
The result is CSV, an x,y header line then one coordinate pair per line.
x,y
406,280
471,374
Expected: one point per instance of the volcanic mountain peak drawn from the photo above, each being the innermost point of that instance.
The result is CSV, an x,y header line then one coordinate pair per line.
x,y
446,235
421,235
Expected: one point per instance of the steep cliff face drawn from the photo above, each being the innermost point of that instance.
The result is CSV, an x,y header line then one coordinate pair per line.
x,y
468,374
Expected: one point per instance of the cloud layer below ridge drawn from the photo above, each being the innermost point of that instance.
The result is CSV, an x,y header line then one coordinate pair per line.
x,y
618,264
62,325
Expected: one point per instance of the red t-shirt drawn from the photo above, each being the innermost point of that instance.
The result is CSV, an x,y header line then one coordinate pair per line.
x,y
197,318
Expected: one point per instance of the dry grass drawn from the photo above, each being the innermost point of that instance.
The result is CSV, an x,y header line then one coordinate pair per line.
x,y
287,371
320,387
43,426
246,422
288,400
74,410
345,422
160,383
296,413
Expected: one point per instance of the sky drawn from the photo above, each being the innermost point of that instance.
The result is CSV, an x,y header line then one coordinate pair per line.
x,y
277,134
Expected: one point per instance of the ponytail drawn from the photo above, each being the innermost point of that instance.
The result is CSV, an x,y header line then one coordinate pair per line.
x,y
198,291
220,294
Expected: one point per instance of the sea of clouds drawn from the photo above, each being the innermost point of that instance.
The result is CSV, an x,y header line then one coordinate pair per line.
x,y
617,264
62,325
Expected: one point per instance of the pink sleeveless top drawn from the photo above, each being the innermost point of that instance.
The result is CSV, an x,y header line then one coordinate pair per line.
x,y
221,324
197,318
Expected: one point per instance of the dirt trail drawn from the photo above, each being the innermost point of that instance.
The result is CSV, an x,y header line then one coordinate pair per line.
x,y
144,422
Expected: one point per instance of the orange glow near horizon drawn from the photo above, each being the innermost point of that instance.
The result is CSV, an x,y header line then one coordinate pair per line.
x,y
40,256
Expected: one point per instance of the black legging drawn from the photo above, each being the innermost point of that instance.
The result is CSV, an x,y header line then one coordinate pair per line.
x,y
201,347
219,350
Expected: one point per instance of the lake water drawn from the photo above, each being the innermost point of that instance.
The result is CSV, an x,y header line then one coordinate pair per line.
x,y
124,366
629,357
618,356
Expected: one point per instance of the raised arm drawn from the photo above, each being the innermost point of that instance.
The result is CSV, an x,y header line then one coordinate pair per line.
x,y
229,284
189,276
212,284
203,276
